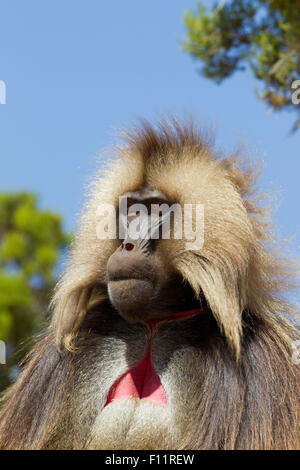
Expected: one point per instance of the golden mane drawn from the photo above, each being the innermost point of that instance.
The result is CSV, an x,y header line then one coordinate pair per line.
x,y
237,271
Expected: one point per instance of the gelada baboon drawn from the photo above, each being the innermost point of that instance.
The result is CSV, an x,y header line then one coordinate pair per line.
x,y
154,345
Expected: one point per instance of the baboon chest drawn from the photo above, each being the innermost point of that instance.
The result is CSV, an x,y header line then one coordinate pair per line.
x,y
149,390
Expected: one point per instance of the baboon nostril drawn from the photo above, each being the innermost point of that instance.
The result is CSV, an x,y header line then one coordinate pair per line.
x,y
129,246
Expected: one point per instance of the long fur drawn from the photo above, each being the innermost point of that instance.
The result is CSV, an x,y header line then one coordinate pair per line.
x,y
248,395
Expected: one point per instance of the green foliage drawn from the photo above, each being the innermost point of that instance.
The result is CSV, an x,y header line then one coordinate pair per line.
x,y
31,241
263,34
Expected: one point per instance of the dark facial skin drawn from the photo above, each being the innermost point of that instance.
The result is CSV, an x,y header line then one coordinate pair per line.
x,y
141,285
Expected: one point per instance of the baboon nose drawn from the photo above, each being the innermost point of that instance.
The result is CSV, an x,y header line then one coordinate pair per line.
x,y
128,261
129,246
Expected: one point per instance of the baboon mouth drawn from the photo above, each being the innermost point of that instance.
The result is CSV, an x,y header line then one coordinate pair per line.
x,y
127,278
114,277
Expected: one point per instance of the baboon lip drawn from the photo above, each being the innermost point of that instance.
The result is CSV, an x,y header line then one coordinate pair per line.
x,y
127,278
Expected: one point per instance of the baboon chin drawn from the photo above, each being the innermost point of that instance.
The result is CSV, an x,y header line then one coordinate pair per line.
x,y
156,342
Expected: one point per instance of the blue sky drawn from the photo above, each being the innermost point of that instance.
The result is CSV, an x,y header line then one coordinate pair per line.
x,y
77,70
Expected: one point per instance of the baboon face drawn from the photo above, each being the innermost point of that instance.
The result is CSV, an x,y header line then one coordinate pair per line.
x,y
138,278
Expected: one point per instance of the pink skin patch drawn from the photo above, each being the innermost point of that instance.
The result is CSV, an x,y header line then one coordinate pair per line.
x,y
142,380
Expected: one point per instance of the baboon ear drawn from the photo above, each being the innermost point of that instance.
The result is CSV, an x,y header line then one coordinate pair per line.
x,y
70,309
223,297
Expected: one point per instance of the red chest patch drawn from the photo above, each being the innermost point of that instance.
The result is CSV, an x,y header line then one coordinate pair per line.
x,y
142,380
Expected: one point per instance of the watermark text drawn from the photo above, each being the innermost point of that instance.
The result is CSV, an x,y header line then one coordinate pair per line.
x,y
2,352
296,94
2,92
162,221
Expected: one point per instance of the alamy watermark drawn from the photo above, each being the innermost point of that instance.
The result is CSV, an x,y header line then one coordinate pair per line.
x,y
296,94
2,92
163,221
2,352
296,352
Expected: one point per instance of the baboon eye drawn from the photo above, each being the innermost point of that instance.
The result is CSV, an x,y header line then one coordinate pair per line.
x,y
132,214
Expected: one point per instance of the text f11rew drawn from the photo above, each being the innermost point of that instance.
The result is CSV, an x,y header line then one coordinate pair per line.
x,y
150,459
